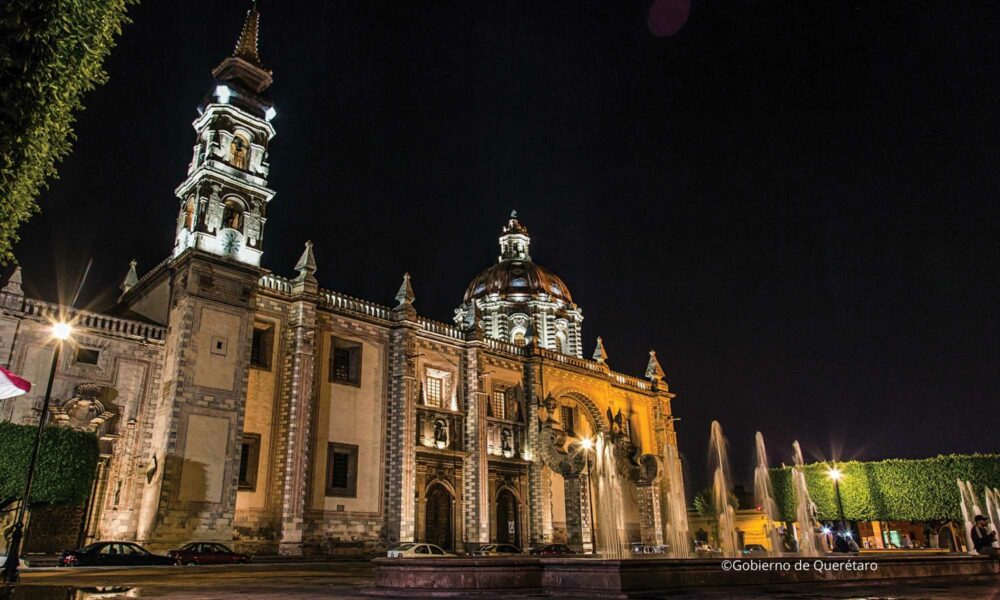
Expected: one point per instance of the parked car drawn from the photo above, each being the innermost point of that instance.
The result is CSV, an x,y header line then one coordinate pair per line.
x,y
411,550
206,553
640,548
754,550
113,554
551,550
497,550
705,549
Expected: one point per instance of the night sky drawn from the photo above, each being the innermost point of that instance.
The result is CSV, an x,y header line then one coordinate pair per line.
x,y
794,203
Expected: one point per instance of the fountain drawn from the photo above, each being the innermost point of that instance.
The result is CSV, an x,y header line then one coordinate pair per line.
x,y
970,508
764,497
611,537
720,494
991,509
804,507
678,535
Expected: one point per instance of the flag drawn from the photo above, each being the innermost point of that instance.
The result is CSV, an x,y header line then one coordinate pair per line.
x,y
11,385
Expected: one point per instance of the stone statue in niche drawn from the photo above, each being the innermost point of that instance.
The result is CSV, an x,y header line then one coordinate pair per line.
x,y
441,434
506,445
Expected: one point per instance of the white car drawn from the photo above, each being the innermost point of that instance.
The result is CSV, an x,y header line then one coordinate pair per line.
x,y
412,550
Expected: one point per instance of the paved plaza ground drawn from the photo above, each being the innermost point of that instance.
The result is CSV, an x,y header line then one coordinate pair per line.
x,y
353,580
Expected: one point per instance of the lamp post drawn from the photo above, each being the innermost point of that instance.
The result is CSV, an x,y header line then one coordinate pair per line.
x,y
11,573
836,475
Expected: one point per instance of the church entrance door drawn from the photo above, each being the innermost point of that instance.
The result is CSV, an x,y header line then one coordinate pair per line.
x,y
508,523
439,517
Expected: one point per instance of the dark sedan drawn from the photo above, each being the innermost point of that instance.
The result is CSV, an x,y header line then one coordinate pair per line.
x,y
206,553
113,554
551,550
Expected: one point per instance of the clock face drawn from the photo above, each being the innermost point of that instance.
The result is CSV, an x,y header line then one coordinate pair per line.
x,y
231,242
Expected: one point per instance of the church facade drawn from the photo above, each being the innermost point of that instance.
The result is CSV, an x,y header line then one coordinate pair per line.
x,y
236,405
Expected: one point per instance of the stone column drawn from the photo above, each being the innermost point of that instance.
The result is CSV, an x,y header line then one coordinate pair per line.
x,y
400,480
538,529
579,528
475,474
650,515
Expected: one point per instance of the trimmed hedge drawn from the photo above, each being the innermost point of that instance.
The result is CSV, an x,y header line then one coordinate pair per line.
x,y
64,474
891,490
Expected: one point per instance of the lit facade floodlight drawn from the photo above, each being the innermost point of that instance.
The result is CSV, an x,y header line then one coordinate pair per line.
x,y
270,114
62,331
835,474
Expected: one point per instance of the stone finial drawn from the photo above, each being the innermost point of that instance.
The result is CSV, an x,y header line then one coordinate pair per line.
x,y
405,295
131,278
654,372
14,283
600,354
307,262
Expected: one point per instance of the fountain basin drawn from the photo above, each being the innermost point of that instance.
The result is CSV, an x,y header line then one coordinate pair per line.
x,y
622,578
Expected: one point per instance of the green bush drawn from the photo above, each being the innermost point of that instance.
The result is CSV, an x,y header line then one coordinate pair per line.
x,y
67,464
51,53
891,490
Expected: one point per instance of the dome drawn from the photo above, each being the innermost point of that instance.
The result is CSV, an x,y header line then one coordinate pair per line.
x,y
521,277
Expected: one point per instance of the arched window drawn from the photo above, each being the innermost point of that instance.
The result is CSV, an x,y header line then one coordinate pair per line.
x,y
232,215
239,151
189,214
562,342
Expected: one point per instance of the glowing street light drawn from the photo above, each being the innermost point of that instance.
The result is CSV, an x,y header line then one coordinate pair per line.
x,y
836,475
61,332
587,443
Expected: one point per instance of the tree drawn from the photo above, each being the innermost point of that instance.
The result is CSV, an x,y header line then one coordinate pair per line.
x,y
704,505
67,464
51,53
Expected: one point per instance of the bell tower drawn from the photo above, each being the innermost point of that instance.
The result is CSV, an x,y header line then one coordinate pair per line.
x,y
223,200
206,295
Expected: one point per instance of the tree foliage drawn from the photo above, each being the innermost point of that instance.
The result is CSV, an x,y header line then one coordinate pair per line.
x,y
891,490
67,464
51,53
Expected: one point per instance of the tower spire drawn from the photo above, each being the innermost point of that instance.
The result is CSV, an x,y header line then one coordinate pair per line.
x,y
246,45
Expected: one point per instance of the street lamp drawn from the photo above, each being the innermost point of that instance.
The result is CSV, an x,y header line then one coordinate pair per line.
x,y
60,332
836,475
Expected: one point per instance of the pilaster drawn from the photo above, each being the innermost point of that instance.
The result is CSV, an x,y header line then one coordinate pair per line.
x,y
475,480
295,417
400,479
539,476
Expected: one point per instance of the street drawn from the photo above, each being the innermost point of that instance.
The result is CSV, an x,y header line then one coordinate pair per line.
x,y
353,580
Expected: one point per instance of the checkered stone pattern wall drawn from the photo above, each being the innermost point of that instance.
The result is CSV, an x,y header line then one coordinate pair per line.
x,y
294,422
650,515
400,480
475,480
578,512
539,480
